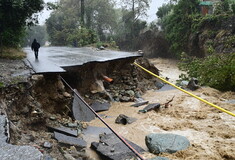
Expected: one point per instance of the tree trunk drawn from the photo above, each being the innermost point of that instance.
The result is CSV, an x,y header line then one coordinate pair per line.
x,y
82,12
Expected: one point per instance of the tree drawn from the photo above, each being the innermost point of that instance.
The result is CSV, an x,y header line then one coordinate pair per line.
x,y
177,25
14,16
38,32
138,9
65,26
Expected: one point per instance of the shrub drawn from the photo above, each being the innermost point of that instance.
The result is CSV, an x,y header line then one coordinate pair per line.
x,y
217,70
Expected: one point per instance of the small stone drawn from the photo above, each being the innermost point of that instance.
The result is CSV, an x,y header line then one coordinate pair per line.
x,y
123,119
130,93
52,118
47,145
67,95
125,99
72,125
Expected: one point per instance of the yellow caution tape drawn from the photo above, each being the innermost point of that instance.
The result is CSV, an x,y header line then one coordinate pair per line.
x,y
211,104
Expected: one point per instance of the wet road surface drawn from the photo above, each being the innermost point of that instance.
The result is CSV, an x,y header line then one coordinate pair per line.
x,y
53,59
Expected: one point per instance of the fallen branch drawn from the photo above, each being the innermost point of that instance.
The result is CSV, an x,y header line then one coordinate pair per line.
x,y
166,105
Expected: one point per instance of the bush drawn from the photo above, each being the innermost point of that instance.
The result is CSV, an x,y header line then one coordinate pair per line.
x,y
217,70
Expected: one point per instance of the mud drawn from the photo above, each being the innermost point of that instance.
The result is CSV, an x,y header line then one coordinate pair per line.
x,y
210,132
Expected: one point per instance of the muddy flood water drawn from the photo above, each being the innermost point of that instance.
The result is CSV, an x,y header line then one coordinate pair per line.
x,y
210,131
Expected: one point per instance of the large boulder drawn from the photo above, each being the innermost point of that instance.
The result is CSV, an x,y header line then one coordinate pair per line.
x,y
170,143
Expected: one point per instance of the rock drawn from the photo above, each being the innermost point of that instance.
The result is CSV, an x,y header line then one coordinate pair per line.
x,y
101,48
140,104
67,95
47,145
123,119
80,111
150,107
110,147
52,118
125,99
78,142
47,157
72,125
99,106
170,143
130,93
64,130
137,95
159,84
159,158
193,84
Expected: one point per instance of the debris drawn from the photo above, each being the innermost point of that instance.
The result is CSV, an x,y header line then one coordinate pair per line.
x,y
159,158
193,84
107,79
166,87
99,106
80,110
123,119
150,107
47,145
52,118
140,104
110,147
166,105
170,143
78,142
64,130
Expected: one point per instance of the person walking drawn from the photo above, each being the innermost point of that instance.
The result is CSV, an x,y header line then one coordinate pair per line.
x,y
35,47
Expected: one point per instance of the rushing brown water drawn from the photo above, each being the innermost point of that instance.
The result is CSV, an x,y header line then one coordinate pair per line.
x,y
211,133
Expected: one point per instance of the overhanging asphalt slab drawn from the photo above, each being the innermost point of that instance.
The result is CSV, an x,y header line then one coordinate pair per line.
x,y
53,59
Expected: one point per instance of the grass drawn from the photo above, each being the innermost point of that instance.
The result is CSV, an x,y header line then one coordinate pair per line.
x,y
12,53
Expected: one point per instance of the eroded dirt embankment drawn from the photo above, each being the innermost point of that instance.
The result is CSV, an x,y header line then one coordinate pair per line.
x,y
43,100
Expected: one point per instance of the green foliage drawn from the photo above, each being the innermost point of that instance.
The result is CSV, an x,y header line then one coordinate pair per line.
x,y
14,15
217,71
221,7
164,10
177,26
233,8
65,26
1,84
81,37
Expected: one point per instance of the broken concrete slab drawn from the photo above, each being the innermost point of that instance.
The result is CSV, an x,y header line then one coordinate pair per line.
x,y
80,111
159,158
169,143
68,140
123,119
99,106
140,104
150,107
111,148
13,152
64,130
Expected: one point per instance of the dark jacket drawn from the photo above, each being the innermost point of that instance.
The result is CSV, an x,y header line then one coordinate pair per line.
x,y
35,45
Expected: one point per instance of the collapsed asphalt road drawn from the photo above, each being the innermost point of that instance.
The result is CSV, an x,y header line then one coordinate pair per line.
x,y
55,59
